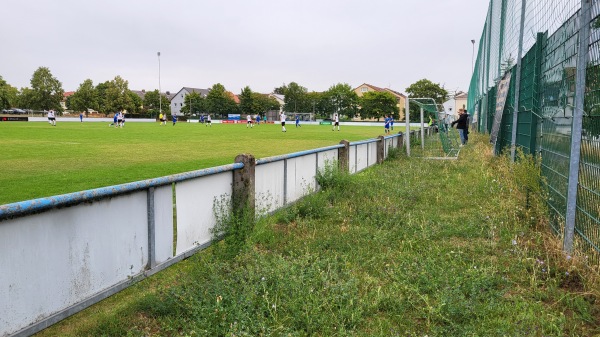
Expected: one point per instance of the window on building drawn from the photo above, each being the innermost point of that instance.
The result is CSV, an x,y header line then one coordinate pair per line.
x,y
364,89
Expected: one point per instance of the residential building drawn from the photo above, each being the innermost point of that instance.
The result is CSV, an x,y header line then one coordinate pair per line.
x,y
456,102
63,103
365,87
179,99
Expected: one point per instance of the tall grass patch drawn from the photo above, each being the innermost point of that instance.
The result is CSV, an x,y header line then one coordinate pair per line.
x,y
408,248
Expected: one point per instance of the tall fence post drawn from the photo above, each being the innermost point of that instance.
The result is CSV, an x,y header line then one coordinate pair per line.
x,y
380,149
344,156
244,185
576,128
515,121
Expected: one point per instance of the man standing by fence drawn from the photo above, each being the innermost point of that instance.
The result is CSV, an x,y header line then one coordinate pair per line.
x,y
462,126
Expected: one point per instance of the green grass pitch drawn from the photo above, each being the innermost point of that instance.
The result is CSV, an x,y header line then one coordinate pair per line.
x,y
38,160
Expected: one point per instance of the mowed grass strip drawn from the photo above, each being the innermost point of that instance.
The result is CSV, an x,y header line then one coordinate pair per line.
x,y
38,160
408,248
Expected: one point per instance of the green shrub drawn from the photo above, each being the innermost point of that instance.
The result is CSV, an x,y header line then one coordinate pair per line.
x,y
330,176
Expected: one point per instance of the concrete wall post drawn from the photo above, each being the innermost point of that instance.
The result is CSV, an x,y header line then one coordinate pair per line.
x,y
244,184
380,149
344,156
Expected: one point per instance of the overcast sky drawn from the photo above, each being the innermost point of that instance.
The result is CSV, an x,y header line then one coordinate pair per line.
x,y
262,44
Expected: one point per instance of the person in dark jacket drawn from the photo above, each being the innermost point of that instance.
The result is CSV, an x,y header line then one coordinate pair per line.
x,y
462,125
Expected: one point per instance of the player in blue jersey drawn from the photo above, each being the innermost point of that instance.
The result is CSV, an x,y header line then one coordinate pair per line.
x,y
386,124
115,120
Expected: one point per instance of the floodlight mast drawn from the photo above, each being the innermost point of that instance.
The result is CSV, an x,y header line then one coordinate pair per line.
x,y
407,118
159,90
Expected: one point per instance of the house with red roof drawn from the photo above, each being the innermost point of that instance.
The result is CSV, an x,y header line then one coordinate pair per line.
x,y
365,87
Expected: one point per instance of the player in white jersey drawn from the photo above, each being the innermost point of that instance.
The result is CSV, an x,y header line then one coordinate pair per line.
x,y
249,119
336,122
51,118
208,121
282,118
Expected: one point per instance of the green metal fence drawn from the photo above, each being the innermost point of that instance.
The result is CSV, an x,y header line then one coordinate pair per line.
x,y
552,109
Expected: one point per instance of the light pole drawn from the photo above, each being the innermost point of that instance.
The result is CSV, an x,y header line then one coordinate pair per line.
x,y
159,90
473,57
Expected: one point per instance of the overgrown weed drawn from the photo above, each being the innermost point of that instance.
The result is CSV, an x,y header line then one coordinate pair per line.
x,y
410,247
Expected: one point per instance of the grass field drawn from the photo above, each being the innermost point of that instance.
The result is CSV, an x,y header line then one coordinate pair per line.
x,y
411,247
39,160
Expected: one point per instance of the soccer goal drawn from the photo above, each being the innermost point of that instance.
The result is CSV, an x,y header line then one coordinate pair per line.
x,y
434,139
304,116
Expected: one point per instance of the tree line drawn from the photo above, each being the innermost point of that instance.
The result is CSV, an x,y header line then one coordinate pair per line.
x,y
46,93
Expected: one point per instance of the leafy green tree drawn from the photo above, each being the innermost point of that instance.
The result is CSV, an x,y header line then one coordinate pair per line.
x,y
342,99
280,90
117,96
135,103
219,101
378,104
25,98
262,103
86,97
101,89
8,95
425,89
320,104
247,101
194,103
47,90
153,104
296,99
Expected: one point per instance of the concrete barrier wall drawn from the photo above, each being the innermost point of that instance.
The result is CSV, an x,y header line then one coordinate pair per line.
x,y
64,253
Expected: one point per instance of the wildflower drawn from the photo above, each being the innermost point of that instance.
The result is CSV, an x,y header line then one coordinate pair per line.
x,y
219,298
514,242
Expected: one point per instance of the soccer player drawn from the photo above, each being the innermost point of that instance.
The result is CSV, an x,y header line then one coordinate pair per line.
x,y
51,118
249,121
386,126
115,116
336,122
257,119
163,119
208,120
174,119
282,118
392,122
120,119
298,121
202,119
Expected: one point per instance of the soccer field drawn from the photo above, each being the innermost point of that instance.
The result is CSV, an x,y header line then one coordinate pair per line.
x,y
38,160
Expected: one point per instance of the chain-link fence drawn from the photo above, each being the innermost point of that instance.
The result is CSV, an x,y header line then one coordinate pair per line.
x,y
537,76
